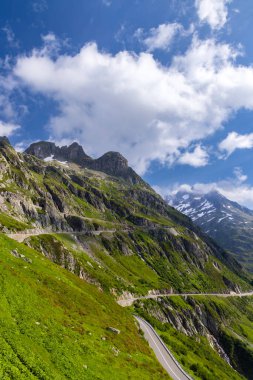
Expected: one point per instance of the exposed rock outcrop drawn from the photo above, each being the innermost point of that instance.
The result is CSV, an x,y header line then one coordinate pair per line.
x,y
44,149
112,163
193,321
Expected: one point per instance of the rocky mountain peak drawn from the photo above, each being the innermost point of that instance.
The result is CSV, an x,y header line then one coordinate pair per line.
x,y
48,150
42,149
4,141
73,153
112,163
8,152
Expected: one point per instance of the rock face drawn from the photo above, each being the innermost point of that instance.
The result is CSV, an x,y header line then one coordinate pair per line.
x,y
114,330
4,141
227,222
45,149
195,320
112,163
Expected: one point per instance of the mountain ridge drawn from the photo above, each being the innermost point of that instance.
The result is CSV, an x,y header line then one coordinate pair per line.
x,y
112,163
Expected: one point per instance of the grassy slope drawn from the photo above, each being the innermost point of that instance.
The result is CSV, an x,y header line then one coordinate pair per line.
x,y
149,265
52,324
11,223
194,353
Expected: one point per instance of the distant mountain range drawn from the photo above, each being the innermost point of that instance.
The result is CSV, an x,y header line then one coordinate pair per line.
x,y
227,222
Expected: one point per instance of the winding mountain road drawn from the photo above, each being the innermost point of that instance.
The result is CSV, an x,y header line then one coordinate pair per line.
x,y
129,301
21,236
162,353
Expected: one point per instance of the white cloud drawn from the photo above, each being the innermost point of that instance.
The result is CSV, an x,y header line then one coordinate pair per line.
x,y
52,45
10,112
197,158
133,104
7,129
10,36
160,37
235,141
8,109
39,6
22,145
213,12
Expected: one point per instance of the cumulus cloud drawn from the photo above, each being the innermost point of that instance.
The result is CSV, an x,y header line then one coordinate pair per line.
x,y
239,175
160,37
235,141
213,12
133,104
197,158
7,129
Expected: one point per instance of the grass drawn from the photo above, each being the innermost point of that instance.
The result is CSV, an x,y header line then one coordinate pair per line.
x,y
134,262
52,325
11,223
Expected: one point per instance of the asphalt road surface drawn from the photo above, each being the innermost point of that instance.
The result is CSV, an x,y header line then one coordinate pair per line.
x,y
162,353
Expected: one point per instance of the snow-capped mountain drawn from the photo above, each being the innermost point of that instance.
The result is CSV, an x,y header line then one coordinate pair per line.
x,y
230,224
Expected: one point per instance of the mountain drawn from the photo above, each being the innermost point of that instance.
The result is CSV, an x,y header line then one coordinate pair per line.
x,y
228,223
112,163
75,241
48,150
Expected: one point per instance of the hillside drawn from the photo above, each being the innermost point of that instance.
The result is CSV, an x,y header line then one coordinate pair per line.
x,y
227,222
90,238
141,235
55,326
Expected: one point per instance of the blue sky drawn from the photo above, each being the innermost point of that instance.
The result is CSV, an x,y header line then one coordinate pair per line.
x,y
167,83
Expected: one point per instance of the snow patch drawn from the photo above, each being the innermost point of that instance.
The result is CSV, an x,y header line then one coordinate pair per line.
x,y
49,158
206,205
63,162
224,217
